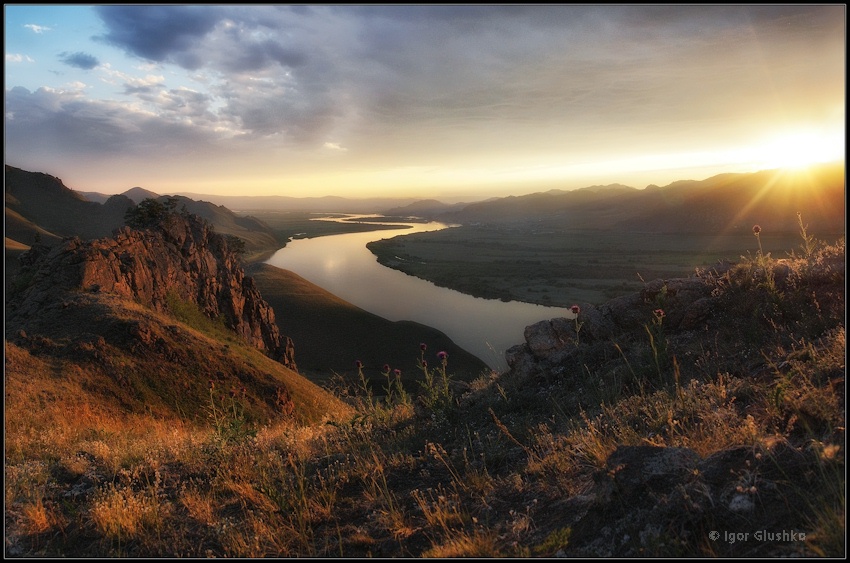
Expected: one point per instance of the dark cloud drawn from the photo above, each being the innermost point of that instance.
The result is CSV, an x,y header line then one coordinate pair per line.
x,y
159,33
254,56
79,60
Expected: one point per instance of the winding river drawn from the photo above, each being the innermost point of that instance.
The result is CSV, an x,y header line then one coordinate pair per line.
x,y
344,266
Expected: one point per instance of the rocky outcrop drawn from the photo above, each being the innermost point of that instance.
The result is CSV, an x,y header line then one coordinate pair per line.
x,y
181,259
553,343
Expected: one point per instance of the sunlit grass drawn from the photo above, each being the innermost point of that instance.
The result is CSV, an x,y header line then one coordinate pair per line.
x,y
517,465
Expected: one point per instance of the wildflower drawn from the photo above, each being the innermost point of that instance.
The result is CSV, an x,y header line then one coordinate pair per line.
x,y
423,347
576,310
442,356
397,372
386,368
359,364
424,364
659,313
756,231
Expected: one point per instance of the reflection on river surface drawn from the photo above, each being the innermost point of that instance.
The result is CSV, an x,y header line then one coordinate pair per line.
x,y
344,266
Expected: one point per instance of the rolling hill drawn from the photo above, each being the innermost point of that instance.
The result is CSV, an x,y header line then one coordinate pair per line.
x,y
37,202
722,203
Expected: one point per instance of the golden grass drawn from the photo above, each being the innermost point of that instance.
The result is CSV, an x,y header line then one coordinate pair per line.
x,y
465,544
487,479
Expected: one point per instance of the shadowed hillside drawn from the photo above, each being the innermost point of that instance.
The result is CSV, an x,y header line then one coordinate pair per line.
x,y
330,334
45,201
37,202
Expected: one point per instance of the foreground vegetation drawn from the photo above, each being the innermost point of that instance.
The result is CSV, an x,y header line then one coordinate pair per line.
x,y
509,465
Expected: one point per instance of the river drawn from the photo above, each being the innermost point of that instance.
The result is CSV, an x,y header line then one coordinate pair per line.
x,y
344,266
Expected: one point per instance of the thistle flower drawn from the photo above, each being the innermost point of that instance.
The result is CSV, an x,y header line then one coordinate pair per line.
x,y
386,368
424,364
397,372
756,231
358,364
423,347
442,355
659,313
576,310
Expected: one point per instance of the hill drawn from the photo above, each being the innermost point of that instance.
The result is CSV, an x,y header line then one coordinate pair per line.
x,y
258,237
325,204
424,208
136,195
153,409
720,204
40,203
699,417
333,334
43,200
330,334
154,316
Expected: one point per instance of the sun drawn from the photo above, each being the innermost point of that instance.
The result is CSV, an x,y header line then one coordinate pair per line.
x,y
799,149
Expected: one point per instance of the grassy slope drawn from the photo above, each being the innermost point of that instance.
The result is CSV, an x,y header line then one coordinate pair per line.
x,y
521,465
330,334
121,353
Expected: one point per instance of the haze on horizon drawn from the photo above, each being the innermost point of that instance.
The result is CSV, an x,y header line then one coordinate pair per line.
x,y
446,102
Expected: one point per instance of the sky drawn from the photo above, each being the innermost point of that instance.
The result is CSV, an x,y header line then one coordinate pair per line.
x,y
452,102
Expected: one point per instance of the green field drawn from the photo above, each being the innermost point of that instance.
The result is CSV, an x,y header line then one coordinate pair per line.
x,y
559,268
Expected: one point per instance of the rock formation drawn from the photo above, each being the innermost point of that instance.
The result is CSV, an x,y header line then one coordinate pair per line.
x,y
551,344
182,258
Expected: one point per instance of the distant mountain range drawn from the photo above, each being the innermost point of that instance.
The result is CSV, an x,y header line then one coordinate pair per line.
x,y
39,203
722,203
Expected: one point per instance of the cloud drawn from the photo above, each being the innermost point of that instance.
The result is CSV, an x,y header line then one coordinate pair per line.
x,y
49,121
79,60
18,58
334,147
37,28
302,74
159,33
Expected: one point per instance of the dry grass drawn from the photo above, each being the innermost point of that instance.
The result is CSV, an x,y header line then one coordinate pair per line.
x,y
500,471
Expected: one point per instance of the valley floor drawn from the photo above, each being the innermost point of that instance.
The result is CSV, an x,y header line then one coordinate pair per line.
x,y
561,267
